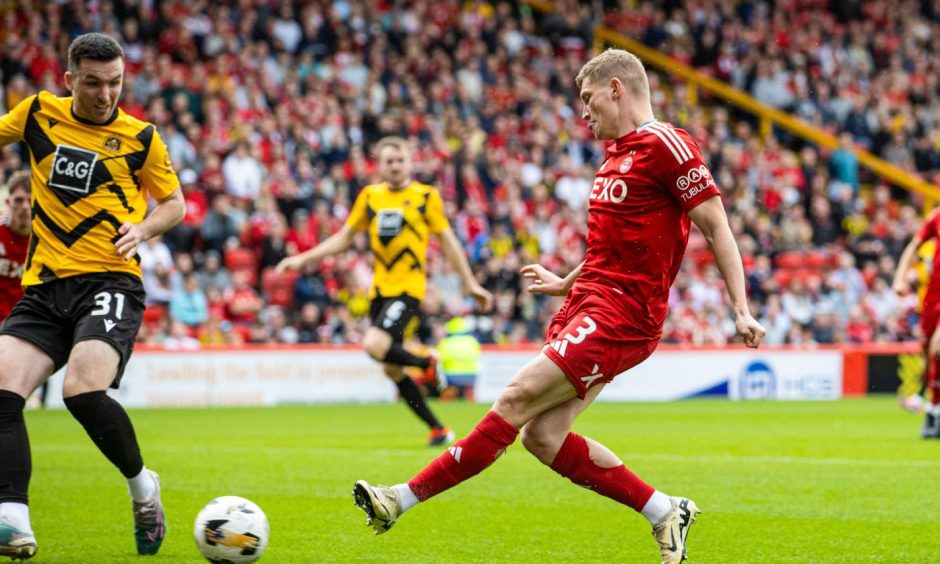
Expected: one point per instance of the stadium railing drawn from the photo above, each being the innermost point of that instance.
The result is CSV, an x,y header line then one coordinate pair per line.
x,y
767,116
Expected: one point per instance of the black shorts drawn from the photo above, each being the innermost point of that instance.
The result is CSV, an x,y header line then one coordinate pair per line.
x,y
56,315
399,316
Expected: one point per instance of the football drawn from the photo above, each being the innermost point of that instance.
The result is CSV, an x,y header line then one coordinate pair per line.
x,y
231,530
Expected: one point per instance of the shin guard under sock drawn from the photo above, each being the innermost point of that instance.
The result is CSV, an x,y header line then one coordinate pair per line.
x,y
110,428
573,461
465,458
15,461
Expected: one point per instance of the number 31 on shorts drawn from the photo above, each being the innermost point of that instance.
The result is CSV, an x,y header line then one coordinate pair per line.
x,y
103,304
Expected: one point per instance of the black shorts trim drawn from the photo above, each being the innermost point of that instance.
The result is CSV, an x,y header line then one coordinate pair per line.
x,y
399,316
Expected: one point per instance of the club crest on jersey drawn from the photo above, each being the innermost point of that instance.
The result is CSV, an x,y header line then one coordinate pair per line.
x,y
112,143
72,169
625,165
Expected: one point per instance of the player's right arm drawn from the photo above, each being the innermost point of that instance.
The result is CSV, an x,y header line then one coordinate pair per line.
x,y
900,284
336,243
333,245
13,123
549,283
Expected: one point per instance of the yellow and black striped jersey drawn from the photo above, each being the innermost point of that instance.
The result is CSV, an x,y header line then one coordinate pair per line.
x,y
87,180
399,223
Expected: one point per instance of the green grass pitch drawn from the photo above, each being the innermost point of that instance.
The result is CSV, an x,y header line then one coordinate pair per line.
x,y
845,481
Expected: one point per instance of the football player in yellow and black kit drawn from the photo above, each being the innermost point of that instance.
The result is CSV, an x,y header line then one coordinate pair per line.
x,y
399,214
93,168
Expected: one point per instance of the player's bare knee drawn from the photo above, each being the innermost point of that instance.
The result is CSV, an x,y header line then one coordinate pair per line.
x,y
514,403
933,347
23,367
92,367
376,344
540,441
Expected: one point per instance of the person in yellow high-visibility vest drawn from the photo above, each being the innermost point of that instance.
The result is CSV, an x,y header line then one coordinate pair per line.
x,y
460,358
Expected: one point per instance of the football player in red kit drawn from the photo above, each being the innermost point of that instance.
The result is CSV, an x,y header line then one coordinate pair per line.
x,y
651,186
930,315
14,240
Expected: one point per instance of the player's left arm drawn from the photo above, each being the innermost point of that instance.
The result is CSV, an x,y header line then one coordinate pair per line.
x,y
159,179
458,261
710,218
450,245
165,215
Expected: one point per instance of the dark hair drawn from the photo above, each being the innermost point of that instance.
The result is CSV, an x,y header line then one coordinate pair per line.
x,y
94,46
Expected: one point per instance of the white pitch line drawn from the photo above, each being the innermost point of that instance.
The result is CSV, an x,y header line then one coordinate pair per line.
x,y
298,451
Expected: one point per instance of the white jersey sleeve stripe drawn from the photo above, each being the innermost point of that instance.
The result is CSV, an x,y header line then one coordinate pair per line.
x,y
667,143
680,144
683,147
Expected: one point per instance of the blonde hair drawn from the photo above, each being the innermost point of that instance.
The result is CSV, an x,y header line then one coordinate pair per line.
x,y
617,63
392,141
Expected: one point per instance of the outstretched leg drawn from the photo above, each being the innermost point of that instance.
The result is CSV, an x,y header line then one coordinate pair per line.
x,y
538,386
591,465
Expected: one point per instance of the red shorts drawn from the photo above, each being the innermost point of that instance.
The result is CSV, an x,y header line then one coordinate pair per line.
x,y
592,342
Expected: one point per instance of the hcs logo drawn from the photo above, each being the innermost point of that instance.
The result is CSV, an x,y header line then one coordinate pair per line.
x,y
72,169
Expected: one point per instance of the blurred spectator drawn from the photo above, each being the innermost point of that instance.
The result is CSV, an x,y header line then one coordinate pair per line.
x,y
213,273
180,339
189,304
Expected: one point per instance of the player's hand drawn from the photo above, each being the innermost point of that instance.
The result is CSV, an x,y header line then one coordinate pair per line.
x,y
290,263
901,287
483,296
750,330
543,281
131,238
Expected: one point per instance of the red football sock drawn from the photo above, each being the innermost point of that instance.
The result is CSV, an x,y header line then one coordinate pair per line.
x,y
574,462
465,458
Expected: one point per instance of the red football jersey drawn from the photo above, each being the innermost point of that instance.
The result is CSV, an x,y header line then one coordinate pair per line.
x,y
931,230
638,223
12,257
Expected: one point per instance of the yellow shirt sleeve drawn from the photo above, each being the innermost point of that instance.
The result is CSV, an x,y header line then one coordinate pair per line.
x,y
358,219
437,221
157,174
13,124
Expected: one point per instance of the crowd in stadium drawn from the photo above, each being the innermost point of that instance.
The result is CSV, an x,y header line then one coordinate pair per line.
x,y
269,116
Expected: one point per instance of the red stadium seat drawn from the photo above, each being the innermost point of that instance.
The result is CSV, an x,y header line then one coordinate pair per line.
x,y
278,289
153,314
789,259
251,274
241,259
783,278
701,257
817,260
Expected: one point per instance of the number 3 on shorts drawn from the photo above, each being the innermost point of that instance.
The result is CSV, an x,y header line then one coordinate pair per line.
x,y
103,304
